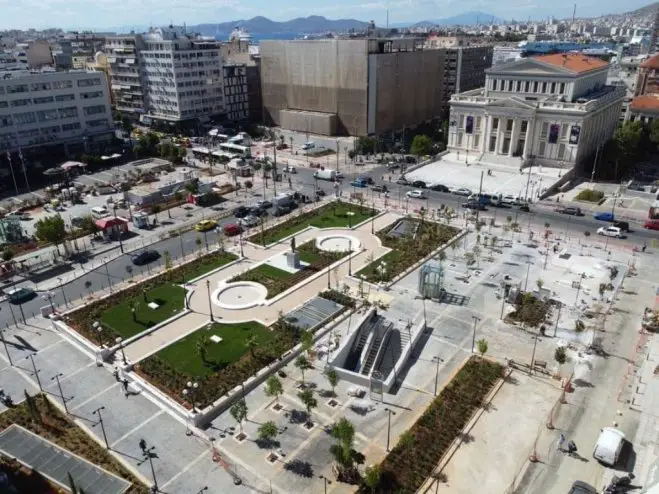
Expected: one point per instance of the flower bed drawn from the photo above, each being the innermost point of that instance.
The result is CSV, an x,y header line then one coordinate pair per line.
x,y
419,450
339,298
82,319
58,429
332,215
407,249
171,377
278,281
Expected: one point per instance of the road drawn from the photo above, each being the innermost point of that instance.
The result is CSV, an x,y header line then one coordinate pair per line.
x,y
116,270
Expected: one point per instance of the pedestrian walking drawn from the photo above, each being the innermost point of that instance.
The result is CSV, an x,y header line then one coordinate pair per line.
x,y
124,383
644,247
561,440
116,373
571,448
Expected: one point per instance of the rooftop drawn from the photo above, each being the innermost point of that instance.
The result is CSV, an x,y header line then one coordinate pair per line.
x,y
651,63
574,62
645,102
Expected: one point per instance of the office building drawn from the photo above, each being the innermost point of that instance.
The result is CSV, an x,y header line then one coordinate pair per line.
x,y
235,92
54,113
464,70
553,110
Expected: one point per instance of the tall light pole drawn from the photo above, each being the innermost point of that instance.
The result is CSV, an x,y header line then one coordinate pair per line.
x,y
61,286
36,372
349,257
191,389
148,455
558,317
210,303
2,337
528,268
100,421
390,413
437,360
535,342
59,386
98,329
120,341
473,338
327,481
121,245
48,297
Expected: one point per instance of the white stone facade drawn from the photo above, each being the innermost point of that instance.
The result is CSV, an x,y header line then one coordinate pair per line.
x,y
538,112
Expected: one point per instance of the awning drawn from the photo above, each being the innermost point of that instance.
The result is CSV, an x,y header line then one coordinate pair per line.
x,y
105,223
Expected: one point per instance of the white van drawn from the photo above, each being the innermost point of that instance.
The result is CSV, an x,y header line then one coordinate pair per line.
x,y
99,212
608,447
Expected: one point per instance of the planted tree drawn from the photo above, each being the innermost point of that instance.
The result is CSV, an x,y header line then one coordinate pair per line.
x,y
579,326
202,347
560,356
332,379
88,286
372,476
421,145
539,283
307,397
303,364
306,340
168,260
267,432
273,387
239,412
7,254
51,229
343,452
251,342
482,346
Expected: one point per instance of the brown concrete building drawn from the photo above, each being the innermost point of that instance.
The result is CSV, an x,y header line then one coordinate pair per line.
x,y
351,86
647,81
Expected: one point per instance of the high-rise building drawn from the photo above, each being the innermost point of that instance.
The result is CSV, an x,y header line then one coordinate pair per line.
x,y
125,76
464,70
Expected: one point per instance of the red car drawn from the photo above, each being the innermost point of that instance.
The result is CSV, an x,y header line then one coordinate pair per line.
x,y
231,230
651,225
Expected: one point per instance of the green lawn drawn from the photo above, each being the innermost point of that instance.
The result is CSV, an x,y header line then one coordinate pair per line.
x,y
329,216
208,264
170,299
370,271
270,272
183,357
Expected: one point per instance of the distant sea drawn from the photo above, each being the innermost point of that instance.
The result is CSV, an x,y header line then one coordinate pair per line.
x,y
257,38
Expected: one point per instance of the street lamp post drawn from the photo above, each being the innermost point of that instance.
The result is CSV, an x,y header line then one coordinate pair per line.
x,y
120,341
121,245
390,412
36,372
560,306
242,253
535,342
66,302
210,303
59,386
2,337
98,329
148,455
191,389
349,257
528,268
100,421
327,481
48,296
473,338
329,268
437,360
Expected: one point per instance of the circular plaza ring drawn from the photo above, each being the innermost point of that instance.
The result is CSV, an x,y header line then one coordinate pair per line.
x,y
240,295
338,243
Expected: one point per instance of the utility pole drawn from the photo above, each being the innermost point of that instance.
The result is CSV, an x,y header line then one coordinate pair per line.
x,y
274,170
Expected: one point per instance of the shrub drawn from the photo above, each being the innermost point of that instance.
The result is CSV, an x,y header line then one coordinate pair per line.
x,y
590,195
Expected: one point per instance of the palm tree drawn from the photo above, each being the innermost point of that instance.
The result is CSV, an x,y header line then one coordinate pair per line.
x,y
251,343
332,379
302,363
273,387
306,396
239,412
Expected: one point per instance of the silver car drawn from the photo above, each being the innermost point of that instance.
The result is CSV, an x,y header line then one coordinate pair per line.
x,y
248,221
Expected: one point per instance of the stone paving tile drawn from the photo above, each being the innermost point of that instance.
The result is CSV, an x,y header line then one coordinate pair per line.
x,y
25,340
63,358
14,383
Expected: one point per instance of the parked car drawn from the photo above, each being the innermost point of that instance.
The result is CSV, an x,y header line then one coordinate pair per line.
x,y
281,211
402,181
290,169
379,188
462,192
20,295
240,212
524,207
623,225
308,145
232,229
257,211
610,231
604,216
249,221
651,225
571,211
205,225
419,184
367,179
320,192
474,205
416,194
145,257
265,204
392,165
579,487
358,183
439,188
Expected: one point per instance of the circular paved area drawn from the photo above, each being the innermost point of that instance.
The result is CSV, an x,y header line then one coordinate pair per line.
x,y
240,295
338,243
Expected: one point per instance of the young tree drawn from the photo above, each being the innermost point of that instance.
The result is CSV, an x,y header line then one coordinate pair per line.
x,y
332,379
168,260
441,256
155,209
273,387
88,286
267,431
251,342
307,397
372,476
539,283
51,229
303,364
344,432
306,340
421,145
201,347
560,356
482,346
239,412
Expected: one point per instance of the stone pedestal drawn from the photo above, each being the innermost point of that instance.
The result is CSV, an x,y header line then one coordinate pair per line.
x,y
293,260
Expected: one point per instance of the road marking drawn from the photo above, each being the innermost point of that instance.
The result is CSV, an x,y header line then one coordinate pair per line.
x,y
84,367
133,430
204,454
95,396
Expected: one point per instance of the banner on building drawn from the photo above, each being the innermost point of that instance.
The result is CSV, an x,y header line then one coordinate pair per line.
x,y
574,134
469,125
554,130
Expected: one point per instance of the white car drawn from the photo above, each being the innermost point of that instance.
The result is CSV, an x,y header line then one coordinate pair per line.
x,y
248,221
610,231
462,192
290,169
416,194
509,199
308,145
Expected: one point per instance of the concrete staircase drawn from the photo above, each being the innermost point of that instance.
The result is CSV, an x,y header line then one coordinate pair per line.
x,y
381,332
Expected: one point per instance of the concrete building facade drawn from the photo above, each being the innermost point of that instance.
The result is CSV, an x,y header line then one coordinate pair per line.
x,y
350,86
464,70
125,76
553,110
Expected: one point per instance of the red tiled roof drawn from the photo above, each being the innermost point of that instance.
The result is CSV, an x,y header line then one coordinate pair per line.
x,y
574,62
645,102
651,63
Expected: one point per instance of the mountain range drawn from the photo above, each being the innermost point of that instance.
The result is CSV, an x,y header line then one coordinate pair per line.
x,y
263,25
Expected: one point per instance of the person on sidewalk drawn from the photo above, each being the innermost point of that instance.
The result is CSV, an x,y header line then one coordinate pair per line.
x,y
124,384
571,448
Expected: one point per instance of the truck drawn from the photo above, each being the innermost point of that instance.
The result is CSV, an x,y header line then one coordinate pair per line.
x,y
325,175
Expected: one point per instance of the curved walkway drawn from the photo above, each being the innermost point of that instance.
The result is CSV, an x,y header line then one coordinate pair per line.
x,y
266,314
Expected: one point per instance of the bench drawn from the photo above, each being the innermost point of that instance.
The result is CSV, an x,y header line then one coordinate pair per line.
x,y
540,363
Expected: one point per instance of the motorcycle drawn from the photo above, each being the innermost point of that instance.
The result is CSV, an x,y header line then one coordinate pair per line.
x,y
619,485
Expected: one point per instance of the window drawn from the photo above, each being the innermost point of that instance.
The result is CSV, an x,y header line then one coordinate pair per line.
x,y
50,130
527,84
495,123
541,149
495,84
94,94
41,86
26,134
71,126
543,130
96,81
476,141
535,86
43,100
24,118
94,110
561,151
21,102
544,87
65,97
562,89
2,90
459,144
45,115
4,104
17,88
564,129
5,121
97,123
62,84
525,125
509,125
493,144
461,121
69,112
553,88
478,124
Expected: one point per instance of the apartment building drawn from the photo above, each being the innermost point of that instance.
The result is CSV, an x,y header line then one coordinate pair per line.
x,y
124,70
236,92
553,110
464,70
59,112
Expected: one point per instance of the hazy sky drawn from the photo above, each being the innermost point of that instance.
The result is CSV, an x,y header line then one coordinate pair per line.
x,y
103,14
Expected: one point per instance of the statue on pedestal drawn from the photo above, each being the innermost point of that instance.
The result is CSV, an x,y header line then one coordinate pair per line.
x,y
292,244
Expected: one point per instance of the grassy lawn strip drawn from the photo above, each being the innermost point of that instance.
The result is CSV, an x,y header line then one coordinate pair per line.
x,y
209,263
223,366
332,215
271,272
170,299
51,425
408,249
184,357
419,449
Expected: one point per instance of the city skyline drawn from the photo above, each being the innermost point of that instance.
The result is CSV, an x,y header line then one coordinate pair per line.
x,y
112,16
